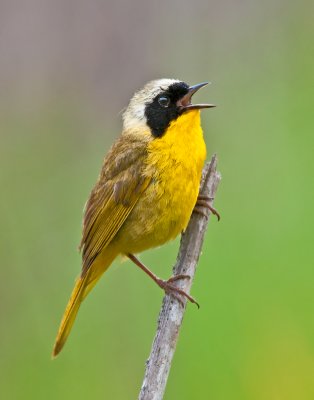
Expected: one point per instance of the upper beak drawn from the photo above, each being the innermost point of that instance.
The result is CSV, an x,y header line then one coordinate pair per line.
x,y
185,102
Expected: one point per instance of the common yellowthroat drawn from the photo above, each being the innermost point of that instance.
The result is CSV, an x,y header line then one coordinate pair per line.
x,y
146,190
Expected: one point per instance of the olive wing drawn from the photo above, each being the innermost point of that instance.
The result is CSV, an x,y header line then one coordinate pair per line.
x,y
115,194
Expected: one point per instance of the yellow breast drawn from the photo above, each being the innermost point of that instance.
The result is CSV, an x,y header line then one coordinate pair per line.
x,y
175,160
178,157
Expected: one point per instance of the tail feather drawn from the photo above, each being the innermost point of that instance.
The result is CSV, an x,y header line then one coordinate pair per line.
x,y
70,314
83,286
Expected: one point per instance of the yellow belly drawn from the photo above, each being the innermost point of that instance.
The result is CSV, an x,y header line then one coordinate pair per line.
x,y
175,161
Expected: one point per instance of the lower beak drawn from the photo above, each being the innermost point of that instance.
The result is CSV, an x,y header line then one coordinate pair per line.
x,y
185,102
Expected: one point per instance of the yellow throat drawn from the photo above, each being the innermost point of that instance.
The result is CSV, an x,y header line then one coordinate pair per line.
x,y
182,143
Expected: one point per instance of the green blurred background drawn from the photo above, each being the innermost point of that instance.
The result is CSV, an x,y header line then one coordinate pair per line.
x,y
67,68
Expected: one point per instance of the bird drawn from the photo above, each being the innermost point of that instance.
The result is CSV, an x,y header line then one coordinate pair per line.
x,y
147,189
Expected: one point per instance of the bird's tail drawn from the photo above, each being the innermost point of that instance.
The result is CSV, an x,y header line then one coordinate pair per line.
x,y
83,286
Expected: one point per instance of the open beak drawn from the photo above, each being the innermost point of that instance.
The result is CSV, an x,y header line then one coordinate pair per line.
x,y
185,102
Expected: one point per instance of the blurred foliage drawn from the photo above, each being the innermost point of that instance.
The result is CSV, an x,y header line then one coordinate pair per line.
x,y
253,337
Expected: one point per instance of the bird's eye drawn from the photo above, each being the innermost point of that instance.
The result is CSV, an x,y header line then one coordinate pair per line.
x,y
164,101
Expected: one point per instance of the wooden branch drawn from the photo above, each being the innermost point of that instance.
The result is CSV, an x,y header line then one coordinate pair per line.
x,y
171,314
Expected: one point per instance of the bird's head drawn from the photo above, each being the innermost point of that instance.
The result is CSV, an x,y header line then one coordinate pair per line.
x,y
159,103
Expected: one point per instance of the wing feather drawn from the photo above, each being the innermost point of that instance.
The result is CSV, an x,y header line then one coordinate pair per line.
x,y
119,187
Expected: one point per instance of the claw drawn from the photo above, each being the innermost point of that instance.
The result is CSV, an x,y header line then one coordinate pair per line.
x,y
174,291
166,285
178,277
203,201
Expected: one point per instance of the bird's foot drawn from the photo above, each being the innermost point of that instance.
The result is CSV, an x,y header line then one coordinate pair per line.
x,y
204,201
168,285
174,291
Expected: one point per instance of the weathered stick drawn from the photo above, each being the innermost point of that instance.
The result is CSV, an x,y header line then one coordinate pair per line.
x,y
171,314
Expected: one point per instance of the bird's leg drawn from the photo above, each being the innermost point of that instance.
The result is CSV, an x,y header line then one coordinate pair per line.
x,y
167,286
203,201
